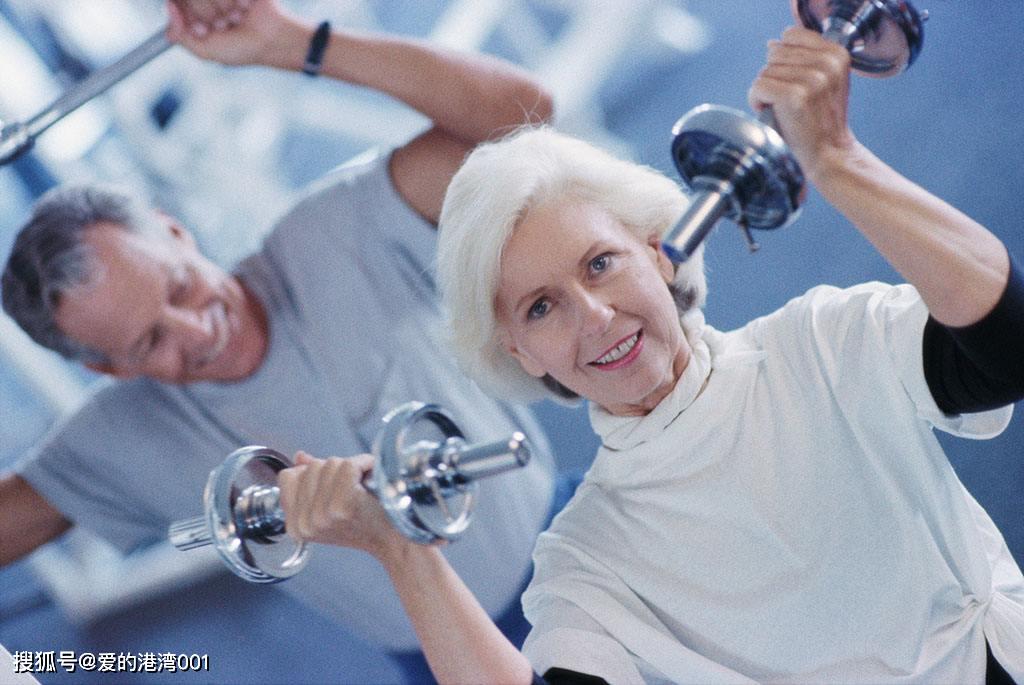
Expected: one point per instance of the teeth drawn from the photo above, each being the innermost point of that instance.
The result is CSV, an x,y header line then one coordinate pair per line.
x,y
620,351
220,328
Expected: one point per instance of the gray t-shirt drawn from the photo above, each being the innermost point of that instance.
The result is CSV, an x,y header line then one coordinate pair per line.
x,y
355,330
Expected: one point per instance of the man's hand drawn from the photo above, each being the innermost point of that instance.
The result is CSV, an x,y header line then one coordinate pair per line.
x,y
232,32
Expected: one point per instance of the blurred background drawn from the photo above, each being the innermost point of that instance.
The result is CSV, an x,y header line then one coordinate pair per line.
x,y
224,149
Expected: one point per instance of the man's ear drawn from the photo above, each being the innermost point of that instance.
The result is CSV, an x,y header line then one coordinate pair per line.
x,y
176,230
110,370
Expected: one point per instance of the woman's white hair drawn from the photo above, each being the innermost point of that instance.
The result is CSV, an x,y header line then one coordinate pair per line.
x,y
496,186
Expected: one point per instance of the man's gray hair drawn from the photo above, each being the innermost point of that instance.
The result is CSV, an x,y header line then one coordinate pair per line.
x,y
496,186
50,257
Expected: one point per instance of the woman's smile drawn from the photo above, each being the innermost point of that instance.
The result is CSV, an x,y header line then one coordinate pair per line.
x,y
621,353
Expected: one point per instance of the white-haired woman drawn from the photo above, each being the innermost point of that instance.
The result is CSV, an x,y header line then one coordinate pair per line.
x,y
768,504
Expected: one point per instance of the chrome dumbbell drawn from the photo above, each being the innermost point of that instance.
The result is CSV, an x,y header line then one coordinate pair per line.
x,y
738,167
424,475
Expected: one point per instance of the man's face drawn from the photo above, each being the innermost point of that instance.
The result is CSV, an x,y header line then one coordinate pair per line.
x,y
156,307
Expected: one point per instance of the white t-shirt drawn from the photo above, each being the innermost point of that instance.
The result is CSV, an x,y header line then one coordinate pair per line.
x,y
785,515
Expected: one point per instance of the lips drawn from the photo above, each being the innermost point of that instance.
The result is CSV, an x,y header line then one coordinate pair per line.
x,y
621,353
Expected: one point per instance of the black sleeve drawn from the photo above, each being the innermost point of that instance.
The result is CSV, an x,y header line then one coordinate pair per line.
x,y
981,366
563,676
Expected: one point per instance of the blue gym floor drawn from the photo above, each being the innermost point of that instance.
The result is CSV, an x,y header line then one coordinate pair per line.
x,y
952,123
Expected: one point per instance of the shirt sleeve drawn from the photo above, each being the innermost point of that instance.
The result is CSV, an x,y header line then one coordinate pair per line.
x,y
105,467
978,367
576,644
74,483
865,338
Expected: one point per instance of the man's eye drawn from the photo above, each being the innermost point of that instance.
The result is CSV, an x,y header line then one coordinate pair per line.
x,y
538,310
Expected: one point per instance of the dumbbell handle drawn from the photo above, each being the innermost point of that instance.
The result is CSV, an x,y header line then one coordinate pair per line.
x,y
835,30
710,199
190,533
485,459
259,512
17,137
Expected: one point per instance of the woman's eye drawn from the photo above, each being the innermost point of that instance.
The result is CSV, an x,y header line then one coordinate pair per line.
x,y
538,309
600,263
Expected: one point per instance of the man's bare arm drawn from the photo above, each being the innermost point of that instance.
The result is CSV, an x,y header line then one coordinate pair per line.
x,y
27,520
468,97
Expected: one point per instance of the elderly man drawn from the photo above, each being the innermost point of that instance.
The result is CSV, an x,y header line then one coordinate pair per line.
x,y
306,345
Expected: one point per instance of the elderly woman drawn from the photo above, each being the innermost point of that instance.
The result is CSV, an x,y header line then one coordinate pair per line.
x,y
768,504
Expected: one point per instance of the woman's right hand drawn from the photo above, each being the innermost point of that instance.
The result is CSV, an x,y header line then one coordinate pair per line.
x,y
324,501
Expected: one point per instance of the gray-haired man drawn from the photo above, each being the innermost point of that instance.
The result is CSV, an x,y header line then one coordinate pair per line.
x,y
306,345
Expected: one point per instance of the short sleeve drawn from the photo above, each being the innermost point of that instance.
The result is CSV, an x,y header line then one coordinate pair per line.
x,y
865,338
106,466
76,485
903,313
577,643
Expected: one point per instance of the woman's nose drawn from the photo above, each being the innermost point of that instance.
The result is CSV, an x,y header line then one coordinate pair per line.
x,y
595,314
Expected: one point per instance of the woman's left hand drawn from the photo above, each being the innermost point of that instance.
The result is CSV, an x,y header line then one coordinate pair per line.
x,y
806,80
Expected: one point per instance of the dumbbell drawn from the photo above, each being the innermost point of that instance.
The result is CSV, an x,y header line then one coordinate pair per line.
x,y
737,166
18,137
424,475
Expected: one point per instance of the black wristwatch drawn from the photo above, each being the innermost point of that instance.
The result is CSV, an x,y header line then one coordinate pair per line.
x,y
317,46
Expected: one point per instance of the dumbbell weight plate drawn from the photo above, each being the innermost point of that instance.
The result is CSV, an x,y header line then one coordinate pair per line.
x,y
260,558
721,142
887,43
411,433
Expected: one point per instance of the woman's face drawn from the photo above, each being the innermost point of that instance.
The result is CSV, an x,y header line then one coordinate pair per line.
x,y
583,299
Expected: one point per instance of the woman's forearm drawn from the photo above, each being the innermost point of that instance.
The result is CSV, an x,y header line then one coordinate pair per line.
x,y
959,267
459,639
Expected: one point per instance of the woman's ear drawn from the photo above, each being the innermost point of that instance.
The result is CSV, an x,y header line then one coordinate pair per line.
x,y
665,266
528,363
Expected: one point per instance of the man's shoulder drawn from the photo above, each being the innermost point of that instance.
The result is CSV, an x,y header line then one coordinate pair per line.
x,y
114,405
357,175
345,198
111,413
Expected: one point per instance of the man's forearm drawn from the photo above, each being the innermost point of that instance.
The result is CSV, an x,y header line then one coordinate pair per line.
x,y
473,97
27,521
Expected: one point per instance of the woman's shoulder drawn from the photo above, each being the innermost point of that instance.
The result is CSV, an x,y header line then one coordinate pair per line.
x,y
831,310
